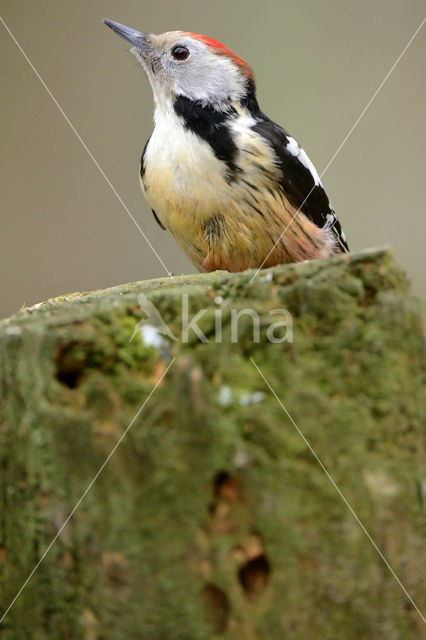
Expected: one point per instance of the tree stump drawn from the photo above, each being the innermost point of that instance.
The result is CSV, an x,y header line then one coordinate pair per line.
x,y
213,518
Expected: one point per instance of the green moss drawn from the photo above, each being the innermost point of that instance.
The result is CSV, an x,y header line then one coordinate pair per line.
x,y
212,473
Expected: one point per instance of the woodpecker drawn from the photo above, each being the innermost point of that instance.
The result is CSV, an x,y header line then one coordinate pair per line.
x,y
234,188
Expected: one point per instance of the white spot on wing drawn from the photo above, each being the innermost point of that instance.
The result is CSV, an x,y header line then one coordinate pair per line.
x,y
308,164
330,220
293,147
296,150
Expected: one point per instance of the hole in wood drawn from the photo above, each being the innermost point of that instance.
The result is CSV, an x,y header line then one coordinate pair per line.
x,y
217,607
226,487
254,575
70,363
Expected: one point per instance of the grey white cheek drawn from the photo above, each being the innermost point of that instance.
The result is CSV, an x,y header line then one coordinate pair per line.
x,y
214,79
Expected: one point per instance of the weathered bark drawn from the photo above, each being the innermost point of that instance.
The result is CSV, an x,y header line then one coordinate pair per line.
x,y
213,519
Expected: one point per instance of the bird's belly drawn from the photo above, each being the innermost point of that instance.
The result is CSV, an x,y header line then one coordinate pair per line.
x,y
185,206
185,185
211,220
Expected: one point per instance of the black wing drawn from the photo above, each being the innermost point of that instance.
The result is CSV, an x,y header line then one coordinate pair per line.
x,y
299,180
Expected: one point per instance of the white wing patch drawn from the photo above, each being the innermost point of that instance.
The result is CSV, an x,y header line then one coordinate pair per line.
x,y
296,150
330,220
293,147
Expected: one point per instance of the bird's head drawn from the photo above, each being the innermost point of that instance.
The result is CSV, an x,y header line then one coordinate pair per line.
x,y
179,63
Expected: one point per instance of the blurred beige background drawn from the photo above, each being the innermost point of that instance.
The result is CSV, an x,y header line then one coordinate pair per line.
x,y
317,65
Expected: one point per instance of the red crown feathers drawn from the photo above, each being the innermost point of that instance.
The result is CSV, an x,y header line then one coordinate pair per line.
x,y
222,50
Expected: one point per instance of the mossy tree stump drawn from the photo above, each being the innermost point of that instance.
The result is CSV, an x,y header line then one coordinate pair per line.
x,y
212,519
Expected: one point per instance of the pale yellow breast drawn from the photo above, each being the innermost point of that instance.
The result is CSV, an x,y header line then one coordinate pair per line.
x,y
183,178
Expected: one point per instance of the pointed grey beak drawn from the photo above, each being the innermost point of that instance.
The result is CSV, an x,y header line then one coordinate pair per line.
x,y
136,38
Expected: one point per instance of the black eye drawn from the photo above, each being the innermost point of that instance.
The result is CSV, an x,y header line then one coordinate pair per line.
x,y
180,53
